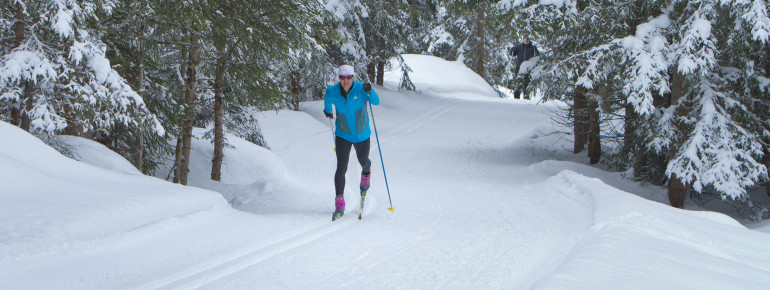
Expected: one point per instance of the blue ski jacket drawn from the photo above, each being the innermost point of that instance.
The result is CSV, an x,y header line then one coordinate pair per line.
x,y
352,116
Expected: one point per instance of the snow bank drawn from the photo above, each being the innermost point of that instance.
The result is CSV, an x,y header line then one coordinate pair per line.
x,y
247,170
284,129
50,204
244,162
433,75
638,244
96,154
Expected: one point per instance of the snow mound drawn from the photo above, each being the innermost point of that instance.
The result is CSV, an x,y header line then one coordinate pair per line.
x,y
98,155
655,242
283,129
244,162
248,170
436,76
50,204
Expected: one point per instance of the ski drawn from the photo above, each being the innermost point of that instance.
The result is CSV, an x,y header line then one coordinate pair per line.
x,y
339,208
337,214
361,206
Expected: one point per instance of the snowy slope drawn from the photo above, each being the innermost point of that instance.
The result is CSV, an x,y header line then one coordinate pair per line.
x,y
435,76
637,244
98,155
247,169
52,205
484,199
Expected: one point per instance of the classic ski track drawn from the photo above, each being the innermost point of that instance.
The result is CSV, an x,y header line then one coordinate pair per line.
x,y
488,266
517,265
319,173
238,260
498,267
411,126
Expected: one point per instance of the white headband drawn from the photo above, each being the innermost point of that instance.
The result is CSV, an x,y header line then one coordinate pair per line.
x,y
346,69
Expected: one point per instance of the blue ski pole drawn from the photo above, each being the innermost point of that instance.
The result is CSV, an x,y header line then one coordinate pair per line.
x,y
379,148
334,139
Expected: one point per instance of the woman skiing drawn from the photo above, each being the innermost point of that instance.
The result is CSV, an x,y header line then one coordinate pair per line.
x,y
350,98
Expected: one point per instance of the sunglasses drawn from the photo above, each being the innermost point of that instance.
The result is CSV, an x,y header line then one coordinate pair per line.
x,y
348,77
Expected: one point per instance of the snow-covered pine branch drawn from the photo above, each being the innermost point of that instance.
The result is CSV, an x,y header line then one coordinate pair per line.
x,y
59,71
646,64
718,152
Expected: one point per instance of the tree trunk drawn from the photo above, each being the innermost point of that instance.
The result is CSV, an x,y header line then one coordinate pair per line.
x,y
629,128
380,72
631,145
139,155
219,135
295,89
594,131
16,114
28,102
178,160
219,131
371,71
187,127
580,112
595,122
480,50
677,190
180,142
19,30
20,26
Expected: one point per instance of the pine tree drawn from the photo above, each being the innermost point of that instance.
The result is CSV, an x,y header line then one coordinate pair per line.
x,y
695,52
386,30
132,37
475,32
711,119
251,40
57,76
370,33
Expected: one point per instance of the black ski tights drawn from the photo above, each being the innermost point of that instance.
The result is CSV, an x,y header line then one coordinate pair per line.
x,y
343,156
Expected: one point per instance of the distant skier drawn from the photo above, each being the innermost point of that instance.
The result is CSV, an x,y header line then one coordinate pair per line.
x,y
523,52
350,97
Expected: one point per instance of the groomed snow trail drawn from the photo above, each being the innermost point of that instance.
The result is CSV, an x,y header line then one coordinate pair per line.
x,y
464,198
470,213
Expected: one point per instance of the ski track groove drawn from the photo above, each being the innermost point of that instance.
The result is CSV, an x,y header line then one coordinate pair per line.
x,y
519,263
223,266
491,266
410,126
488,266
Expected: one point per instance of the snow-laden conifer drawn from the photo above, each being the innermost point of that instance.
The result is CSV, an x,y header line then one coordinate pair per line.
x,y
57,74
676,66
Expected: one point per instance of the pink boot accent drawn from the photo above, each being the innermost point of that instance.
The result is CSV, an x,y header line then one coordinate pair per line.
x,y
365,181
339,203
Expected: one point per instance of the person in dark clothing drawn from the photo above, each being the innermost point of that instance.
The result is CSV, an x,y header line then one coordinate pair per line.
x,y
522,53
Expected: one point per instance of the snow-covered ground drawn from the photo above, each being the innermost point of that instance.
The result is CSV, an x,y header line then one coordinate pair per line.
x,y
484,198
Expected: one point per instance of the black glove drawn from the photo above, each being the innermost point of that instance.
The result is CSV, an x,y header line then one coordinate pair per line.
x,y
328,115
367,88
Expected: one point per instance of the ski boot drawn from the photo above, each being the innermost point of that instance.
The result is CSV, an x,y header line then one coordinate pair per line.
x,y
365,181
364,187
339,205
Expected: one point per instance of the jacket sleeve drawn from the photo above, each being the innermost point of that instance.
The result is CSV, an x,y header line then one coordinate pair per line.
x,y
327,100
514,51
373,97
